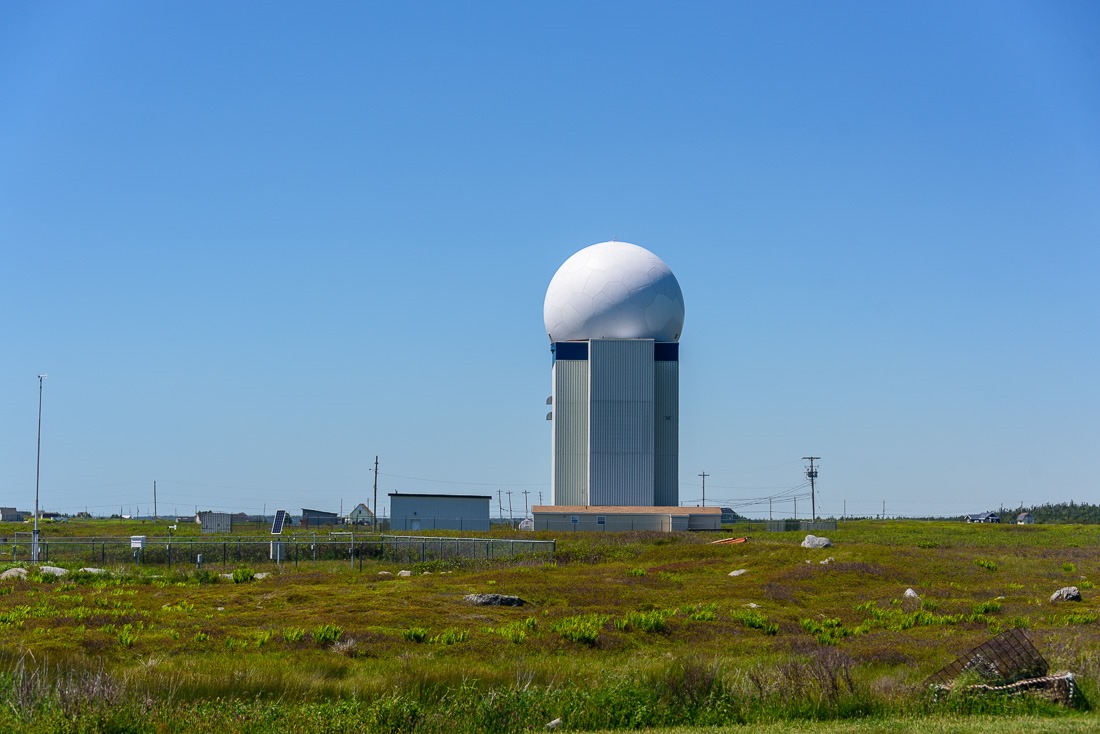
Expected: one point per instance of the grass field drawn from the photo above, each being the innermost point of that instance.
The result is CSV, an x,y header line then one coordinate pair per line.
x,y
619,631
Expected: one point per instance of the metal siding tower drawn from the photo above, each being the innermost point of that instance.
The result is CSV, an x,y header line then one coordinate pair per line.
x,y
614,313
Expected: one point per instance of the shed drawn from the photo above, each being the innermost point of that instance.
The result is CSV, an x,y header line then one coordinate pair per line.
x,y
1025,518
215,522
560,518
415,512
984,517
314,518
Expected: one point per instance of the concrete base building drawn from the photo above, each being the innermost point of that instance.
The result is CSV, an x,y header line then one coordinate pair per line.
x,y
560,518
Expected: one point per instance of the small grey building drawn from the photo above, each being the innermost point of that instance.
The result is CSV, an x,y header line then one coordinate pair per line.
x,y
315,518
416,512
10,514
215,522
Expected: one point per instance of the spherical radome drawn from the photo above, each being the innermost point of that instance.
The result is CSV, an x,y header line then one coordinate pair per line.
x,y
614,290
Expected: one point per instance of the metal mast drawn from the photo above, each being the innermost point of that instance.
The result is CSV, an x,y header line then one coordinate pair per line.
x,y
37,472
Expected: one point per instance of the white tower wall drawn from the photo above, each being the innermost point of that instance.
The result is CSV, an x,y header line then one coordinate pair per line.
x,y
569,465
621,422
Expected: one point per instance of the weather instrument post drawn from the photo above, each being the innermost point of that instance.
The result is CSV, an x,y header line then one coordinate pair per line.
x,y
37,473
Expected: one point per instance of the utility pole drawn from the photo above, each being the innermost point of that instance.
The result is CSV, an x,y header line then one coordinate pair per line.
x,y
37,473
811,473
525,493
154,500
500,506
374,520
769,508
511,517
845,513
795,508
540,500
704,475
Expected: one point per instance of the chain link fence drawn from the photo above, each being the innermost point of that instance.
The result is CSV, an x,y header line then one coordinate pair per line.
x,y
297,549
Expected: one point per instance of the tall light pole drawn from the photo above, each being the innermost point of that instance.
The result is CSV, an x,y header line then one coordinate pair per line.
x,y
37,472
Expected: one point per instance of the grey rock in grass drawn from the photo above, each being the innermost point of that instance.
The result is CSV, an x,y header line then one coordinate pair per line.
x,y
753,605
53,570
1067,593
14,573
554,724
910,594
812,541
93,570
827,561
493,600
385,575
738,572
404,574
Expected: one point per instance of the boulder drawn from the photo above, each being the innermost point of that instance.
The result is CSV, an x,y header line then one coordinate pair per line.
x,y
827,561
493,600
385,575
1067,593
910,594
812,541
404,573
14,573
53,570
93,570
738,572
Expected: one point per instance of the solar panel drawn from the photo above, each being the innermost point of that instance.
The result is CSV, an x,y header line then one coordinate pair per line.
x,y
277,525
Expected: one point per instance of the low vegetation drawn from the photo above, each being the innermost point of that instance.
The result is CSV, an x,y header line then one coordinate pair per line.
x,y
619,631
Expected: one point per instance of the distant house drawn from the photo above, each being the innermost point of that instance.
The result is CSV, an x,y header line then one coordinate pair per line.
x,y
984,517
361,515
1025,518
10,514
314,518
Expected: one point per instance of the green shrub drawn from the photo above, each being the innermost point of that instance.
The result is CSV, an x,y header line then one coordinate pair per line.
x,y
243,575
326,634
450,637
827,631
126,636
987,565
1069,567
986,607
702,612
584,628
414,634
293,634
636,572
205,576
645,621
755,620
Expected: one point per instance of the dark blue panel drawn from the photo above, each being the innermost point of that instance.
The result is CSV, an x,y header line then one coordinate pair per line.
x,y
570,350
666,351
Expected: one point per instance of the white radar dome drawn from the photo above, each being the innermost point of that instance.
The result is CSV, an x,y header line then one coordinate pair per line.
x,y
614,290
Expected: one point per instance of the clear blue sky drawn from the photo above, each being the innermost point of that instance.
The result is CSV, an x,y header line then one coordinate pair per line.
x,y
256,244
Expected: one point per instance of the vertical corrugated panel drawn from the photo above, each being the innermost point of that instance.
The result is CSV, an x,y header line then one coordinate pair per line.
x,y
621,388
570,433
666,447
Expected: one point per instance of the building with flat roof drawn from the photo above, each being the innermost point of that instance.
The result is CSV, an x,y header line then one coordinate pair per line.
x,y
419,512
558,518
